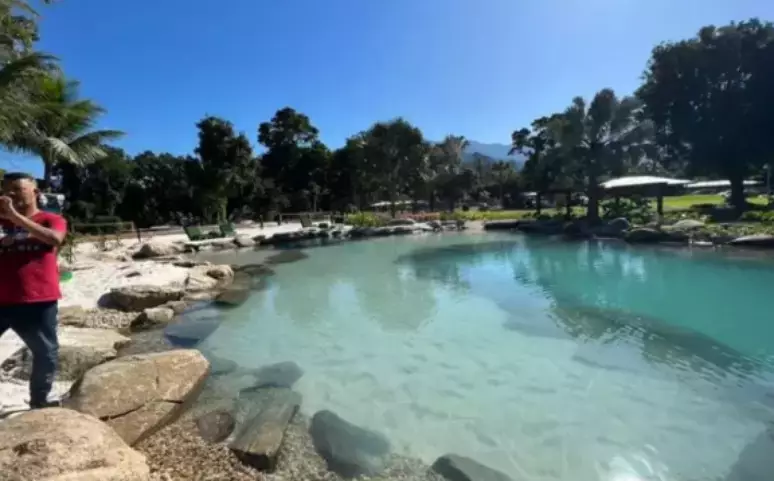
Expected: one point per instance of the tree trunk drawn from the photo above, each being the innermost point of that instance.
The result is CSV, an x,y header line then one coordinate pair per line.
x,y
738,199
539,203
48,172
592,211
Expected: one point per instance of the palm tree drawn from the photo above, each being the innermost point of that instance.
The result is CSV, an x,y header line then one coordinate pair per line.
x,y
61,130
601,139
19,65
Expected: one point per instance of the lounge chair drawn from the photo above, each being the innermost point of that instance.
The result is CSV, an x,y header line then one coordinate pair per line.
x,y
227,230
194,233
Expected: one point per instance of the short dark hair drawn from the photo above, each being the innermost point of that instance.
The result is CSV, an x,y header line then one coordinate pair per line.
x,y
12,176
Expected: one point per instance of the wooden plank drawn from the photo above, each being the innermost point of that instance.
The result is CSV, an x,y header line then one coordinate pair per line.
x,y
258,442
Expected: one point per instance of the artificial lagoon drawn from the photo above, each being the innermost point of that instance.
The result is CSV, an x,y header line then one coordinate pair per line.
x,y
546,360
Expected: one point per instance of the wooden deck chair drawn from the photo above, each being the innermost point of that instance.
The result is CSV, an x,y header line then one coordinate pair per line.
x,y
306,220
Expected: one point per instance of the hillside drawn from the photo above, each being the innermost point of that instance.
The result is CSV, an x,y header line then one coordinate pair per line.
x,y
495,151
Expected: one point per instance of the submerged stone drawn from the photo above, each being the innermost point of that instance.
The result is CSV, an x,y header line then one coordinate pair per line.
x,y
287,256
459,468
349,450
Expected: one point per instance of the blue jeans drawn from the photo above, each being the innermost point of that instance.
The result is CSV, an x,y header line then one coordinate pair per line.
x,y
35,324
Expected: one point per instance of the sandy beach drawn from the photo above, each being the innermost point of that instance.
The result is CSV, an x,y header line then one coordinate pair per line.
x,y
94,274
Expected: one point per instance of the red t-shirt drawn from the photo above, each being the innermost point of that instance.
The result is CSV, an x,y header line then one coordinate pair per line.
x,y
29,271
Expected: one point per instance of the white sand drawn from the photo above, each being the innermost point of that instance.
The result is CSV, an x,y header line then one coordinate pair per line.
x,y
92,278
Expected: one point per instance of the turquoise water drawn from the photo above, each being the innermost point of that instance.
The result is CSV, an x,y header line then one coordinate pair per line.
x,y
544,359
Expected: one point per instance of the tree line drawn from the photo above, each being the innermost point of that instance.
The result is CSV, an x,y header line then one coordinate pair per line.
x,y
704,109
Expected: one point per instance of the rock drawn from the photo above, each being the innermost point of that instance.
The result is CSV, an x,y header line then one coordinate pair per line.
x,y
756,240
687,224
619,224
244,241
80,349
177,307
219,366
254,270
153,317
502,224
205,278
349,450
281,374
435,225
286,256
95,318
190,332
63,445
188,264
137,395
215,426
233,296
394,222
645,235
222,245
138,298
459,468
200,296
151,250
258,442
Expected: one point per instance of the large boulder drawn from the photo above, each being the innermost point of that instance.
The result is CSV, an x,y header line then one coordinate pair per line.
x,y
151,250
80,349
215,426
190,332
459,468
349,450
755,240
207,278
138,395
687,224
138,298
64,445
153,317
259,440
281,374
77,316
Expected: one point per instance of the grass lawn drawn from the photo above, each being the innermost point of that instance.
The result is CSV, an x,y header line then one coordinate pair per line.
x,y
683,202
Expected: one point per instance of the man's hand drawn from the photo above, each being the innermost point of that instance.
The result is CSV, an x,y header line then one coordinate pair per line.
x,y
7,210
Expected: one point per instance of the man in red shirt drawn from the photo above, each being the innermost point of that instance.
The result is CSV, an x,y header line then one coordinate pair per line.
x,y
29,278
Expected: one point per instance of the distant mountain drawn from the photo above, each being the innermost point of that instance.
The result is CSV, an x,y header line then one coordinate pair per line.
x,y
495,151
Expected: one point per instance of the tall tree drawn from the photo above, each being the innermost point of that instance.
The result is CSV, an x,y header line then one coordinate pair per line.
x,y
600,139
547,167
712,103
228,165
19,65
295,159
62,126
395,152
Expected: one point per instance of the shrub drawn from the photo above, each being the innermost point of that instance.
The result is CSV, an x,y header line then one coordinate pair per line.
x,y
365,219
637,209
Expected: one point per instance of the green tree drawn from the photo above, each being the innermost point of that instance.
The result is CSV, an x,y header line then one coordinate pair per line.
x,y
547,167
295,160
396,153
600,139
712,103
19,66
227,166
62,126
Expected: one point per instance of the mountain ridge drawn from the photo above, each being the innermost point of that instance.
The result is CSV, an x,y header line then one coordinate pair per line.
x,y
493,150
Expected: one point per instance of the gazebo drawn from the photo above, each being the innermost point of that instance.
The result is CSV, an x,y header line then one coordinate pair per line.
x,y
644,185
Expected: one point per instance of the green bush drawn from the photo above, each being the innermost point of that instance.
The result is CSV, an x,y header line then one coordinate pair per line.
x,y
365,219
636,209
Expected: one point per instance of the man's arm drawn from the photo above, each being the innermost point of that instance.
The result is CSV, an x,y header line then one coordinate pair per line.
x,y
53,236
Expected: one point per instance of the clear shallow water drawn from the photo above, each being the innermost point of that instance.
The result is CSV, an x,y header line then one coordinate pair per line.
x,y
546,360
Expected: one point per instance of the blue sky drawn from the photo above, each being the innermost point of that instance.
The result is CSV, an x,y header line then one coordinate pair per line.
x,y
476,68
